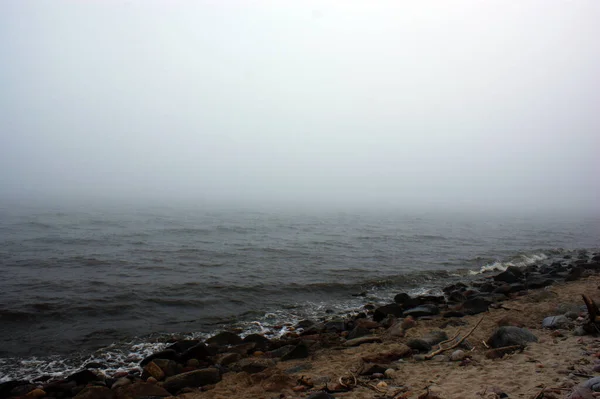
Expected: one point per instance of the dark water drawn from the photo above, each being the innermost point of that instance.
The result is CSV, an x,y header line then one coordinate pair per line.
x,y
101,283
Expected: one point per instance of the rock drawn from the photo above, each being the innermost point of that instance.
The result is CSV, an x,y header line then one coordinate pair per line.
x,y
139,390
435,337
196,378
226,359
402,298
20,390
281,351
154,371
358,332
93,392
362,340
95,365
166,354
169,367
422,310
304,324
396,352
183,345
593,384
580,331
475,306
7,387
299,352
320,395
335,326
262,343
199,351
224,338
506,276
83,377
252,365
383,311
152,380
243,349
192,363
509,336
121,382
458,355
370,369
554,322
419,344
36,393
390,373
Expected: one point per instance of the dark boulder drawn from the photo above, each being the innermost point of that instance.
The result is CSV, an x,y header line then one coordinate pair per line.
x,y
506,277
299,352
195,378
305,324
83,377
183,345
539,282
224,338
422,310
166,354
335,326
140,390
320,395
554,322
509,336
383,311
199,351
252,365
575,273
95,392
262,343
7,387
402,298
358,332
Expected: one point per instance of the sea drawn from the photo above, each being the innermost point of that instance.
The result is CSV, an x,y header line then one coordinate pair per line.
x,y
111,284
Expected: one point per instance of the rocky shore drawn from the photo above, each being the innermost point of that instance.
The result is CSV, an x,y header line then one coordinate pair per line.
x,y
521,333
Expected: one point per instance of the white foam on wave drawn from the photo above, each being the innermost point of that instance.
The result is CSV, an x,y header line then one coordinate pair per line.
x,y
520,261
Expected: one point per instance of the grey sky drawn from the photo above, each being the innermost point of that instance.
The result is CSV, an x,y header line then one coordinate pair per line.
x,y
390,102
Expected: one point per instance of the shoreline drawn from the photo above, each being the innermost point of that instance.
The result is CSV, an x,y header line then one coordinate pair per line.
x,y
241,369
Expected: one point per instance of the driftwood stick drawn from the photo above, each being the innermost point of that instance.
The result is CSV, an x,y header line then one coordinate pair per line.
x,y
460,341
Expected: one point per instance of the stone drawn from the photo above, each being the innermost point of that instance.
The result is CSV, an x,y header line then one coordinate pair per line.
x,y
362,340
94,392
435,337
507,277
199,351
299,352
401,298
509,336
382,312
372,368
196,378
121,382
169,367
262,343
154,371
390,373
554,322
224,338
458,355
83,377
166,354
419,344
304,324
422,310
358,332
36,393
320,395
139,390
183,345
253,365
281,351
226,359
20,390
335,326
475,306
395,352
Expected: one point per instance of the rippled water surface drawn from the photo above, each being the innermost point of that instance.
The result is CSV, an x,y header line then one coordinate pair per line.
x,y
74,280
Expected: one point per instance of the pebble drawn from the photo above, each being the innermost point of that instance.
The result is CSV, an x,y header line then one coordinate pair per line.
x,y
259,353
458,355
151,380
390,373
377,375
121,382
382,384
193,363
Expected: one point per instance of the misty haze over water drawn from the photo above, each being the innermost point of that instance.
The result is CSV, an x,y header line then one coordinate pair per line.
x,y
182,167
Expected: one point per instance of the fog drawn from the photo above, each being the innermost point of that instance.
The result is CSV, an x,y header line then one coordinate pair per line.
x,y
468,104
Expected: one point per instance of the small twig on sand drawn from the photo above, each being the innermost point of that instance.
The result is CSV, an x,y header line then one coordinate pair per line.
x,y
460,341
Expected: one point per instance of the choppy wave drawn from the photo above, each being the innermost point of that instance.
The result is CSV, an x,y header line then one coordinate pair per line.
x,y
519,261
